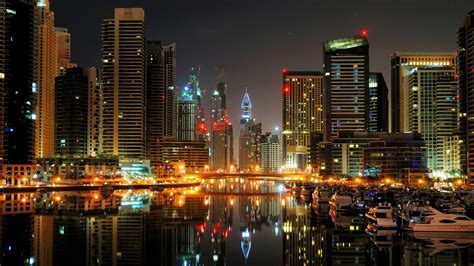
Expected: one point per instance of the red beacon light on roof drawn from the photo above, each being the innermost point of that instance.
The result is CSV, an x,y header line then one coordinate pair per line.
x,y
363,33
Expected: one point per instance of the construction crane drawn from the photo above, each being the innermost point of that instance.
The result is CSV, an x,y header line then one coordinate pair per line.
x,y
220,74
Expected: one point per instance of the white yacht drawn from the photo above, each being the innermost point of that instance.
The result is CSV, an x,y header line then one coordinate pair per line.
x,y
411,211
341,202
381,217
433,220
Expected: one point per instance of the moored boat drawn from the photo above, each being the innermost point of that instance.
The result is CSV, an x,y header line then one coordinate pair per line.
x,y
433,220
381,217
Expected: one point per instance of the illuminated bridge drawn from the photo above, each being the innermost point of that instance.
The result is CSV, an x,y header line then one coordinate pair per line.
x,y
253,176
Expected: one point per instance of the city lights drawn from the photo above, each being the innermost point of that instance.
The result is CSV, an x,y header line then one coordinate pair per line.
x,y
239,139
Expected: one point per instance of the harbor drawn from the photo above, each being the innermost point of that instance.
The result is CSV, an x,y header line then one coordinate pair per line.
x,y
229,221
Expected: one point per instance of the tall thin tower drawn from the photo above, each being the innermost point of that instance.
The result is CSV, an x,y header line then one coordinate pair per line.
x,y
46,70
123,62
17,86
160,107
465,72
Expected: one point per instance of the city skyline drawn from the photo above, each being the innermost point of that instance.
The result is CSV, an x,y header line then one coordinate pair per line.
x,y
284,132
298,45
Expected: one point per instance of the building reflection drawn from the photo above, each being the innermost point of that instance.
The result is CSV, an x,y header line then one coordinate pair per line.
x,y
190,227
236,217
126,228
301,236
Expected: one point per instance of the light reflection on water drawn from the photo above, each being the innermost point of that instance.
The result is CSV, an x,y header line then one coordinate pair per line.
x,y
228,222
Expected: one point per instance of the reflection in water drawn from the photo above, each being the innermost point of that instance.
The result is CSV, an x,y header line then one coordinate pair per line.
x,y
230,222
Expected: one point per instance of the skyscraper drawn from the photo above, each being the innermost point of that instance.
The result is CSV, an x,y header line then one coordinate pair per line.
x,y
302,114
123,74
378,103
465,72
71,113
217,110
17,85
222,89
189,123
432,109
250,133
249,153
246,108
402,66
169,58
46,69
78,113
346,72
95,111
221,146
186,116
160,98
221,131
63,38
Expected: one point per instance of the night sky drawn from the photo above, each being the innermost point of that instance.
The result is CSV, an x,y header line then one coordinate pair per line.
x,y
253,39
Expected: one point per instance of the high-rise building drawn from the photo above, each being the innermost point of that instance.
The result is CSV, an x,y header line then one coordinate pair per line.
x,y
378,103
186,116
221,142
169,59
190,120
432,109
222,90
218,112
246,109
270,153
123,75
71,113
95,110
17,84
250,133
78,113
249,153
346,73
465,73
63,38
160,98
403,63
302,114
221,146
452,147
46,70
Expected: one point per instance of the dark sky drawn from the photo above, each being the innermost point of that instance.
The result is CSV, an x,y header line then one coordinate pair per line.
x,y
253,39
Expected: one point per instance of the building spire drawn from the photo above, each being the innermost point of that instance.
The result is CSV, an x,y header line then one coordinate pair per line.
x,y
246,106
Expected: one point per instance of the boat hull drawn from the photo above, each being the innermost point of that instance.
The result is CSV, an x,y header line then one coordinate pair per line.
x,y
444,228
